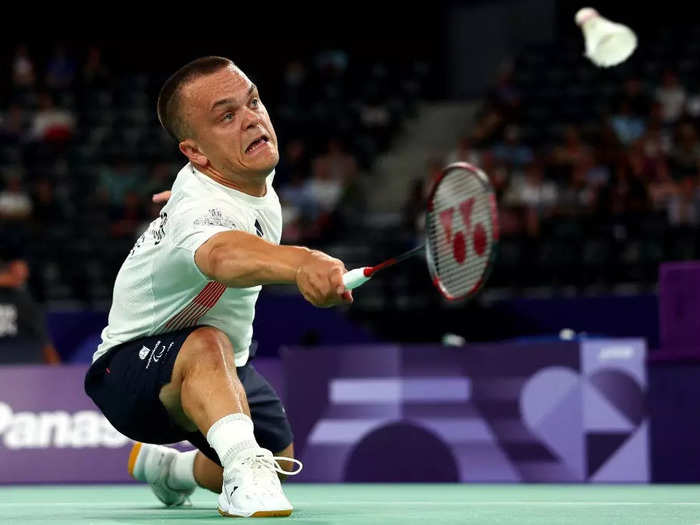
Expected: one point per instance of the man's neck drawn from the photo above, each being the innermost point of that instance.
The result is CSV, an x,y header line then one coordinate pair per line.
x,y
255,185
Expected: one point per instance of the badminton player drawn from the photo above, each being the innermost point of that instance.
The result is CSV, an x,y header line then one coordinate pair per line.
x,y
173,361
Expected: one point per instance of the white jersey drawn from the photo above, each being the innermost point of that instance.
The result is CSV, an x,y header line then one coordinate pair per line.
x,y
159,288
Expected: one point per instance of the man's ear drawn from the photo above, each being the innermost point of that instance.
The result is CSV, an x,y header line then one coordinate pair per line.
x,y
190,149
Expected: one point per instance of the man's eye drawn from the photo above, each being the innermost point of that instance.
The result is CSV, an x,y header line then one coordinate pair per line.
x,y
228,116
255,102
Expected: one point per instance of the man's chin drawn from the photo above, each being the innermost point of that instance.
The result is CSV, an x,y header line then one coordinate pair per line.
x,y
263,167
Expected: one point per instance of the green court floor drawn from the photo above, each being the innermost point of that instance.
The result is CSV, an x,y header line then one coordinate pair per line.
x,y
370,504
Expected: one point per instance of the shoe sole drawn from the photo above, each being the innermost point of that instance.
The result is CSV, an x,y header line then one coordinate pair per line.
x,y
260,514
133,456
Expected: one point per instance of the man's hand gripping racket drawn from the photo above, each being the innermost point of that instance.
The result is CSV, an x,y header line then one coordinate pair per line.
x,y
461,226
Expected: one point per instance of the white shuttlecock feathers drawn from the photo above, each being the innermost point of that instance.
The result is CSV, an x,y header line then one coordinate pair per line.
x,y
607,43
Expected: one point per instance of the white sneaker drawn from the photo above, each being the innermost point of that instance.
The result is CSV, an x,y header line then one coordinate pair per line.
x,y
251,487
151,464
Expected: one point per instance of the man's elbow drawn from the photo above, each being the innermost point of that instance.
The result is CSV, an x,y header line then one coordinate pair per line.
x,y
225,265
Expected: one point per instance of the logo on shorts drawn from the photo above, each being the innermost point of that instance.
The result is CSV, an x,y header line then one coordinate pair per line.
x,y
157,354
144,352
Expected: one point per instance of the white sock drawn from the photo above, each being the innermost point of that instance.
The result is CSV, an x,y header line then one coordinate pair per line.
x,y
181,475
231,434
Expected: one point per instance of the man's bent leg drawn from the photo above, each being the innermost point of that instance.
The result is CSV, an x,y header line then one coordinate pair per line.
x,y
208,474
205,393
204,386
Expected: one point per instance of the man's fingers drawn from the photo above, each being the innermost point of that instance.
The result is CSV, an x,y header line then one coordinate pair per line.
x,y
337,280
162,197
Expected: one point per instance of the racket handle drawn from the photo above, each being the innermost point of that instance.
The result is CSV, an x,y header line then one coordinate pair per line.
x,y
355,278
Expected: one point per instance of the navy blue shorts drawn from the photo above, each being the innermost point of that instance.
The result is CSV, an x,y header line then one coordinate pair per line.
x,y
125,384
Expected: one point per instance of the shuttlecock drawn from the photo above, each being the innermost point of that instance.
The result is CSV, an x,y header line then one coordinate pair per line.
x,y
607,43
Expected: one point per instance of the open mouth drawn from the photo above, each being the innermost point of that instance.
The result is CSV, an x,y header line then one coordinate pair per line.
x,y
257,144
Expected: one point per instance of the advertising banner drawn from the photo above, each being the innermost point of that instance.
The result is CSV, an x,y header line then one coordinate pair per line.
x,y
541,412
51,432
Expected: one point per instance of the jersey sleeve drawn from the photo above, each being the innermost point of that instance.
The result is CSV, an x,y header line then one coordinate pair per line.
x,y
194,225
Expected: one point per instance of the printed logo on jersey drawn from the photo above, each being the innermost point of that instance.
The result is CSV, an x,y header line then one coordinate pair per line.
x,y
158,231
215,217
258,229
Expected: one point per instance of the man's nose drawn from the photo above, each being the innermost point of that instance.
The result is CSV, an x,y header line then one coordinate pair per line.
x,y
251,119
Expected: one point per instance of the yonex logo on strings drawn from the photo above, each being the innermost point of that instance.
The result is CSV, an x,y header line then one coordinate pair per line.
x,y
459,239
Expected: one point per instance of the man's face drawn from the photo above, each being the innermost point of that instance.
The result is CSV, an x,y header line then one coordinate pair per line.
x,y
229,123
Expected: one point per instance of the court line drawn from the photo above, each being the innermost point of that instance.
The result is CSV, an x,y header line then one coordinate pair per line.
x,y
436,503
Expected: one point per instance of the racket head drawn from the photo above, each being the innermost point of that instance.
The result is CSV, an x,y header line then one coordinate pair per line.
x,y
461,224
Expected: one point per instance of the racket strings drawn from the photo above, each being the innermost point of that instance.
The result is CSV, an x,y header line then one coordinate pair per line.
x,y
460,233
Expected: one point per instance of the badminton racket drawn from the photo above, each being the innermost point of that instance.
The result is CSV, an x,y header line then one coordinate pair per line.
x,y
461,225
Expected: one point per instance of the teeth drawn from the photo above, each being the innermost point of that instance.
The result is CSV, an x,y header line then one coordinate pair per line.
x,y
256,143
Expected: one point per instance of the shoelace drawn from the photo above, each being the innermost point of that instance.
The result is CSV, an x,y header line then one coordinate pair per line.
x,y
262,461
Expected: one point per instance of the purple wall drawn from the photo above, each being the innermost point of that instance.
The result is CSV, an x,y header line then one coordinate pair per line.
x,y
503,412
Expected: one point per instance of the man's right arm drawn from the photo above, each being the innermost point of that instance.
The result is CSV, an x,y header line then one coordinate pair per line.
x,y
239,260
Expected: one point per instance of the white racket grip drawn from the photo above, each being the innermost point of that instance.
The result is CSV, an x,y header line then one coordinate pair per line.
x,y
355,278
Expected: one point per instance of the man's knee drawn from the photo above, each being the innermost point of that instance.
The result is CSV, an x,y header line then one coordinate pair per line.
x,y
209,348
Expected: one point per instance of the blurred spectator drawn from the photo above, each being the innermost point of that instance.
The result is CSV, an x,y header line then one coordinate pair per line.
x,y
46,210
337,163
505,94
497,171
23,75
116,179
298,208
61,68
572,150
685,156
294,78
654,145
160,179
52,124
23,334
375,117
15,203
684,205
672,97
413,210
333,62
490,122
627,195
94,73
628,125
511,150
578,194
537,196
294,162
129,217
532,190
661,189
635,96
13,125
464,152
323,188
